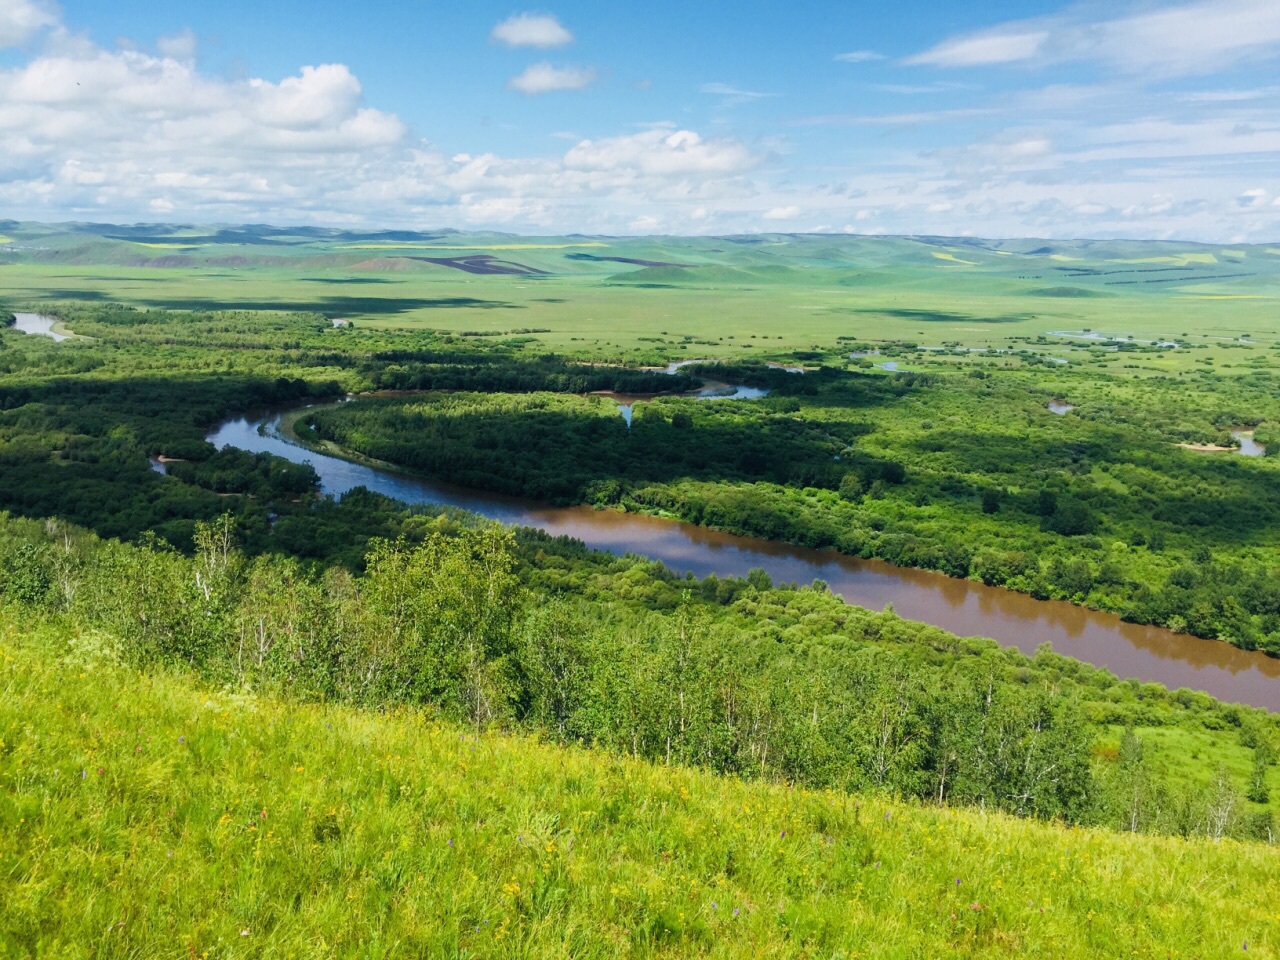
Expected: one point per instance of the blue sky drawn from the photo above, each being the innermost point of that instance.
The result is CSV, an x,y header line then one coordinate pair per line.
x,y
1146,119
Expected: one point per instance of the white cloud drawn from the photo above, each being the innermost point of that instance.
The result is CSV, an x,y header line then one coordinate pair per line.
x,y
1185,38
782,213
1226,96
20,20
544,78
732,95
893,119
178,46
124,134
982,49
539,30
662,152
859,56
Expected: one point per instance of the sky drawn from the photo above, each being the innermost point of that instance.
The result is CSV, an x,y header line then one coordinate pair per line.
x,y
1130,118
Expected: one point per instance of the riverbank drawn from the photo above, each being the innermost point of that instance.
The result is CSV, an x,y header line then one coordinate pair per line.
x,y
39,325
962,607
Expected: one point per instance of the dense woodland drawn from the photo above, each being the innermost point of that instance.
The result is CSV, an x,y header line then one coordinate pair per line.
x,y
738,676
233,567
968,474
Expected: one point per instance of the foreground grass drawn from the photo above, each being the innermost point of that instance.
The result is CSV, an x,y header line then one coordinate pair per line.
x,y
141,816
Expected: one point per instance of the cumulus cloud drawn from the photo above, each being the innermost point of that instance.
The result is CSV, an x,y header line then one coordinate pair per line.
x,y
663,152
1185,38
90,128
121,133
544,78
539,30
22,19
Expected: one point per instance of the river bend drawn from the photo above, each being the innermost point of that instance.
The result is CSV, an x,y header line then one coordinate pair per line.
x,y
1149,654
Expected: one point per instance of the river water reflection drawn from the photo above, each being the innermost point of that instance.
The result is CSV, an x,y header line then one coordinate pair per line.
x,y
960,606
36,324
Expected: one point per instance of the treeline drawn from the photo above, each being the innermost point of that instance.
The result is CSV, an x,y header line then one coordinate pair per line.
x,y
568,449
968,475
499,371
736,676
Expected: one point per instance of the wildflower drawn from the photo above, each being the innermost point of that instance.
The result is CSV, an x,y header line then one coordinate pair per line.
x,y
451,842
957,881
182,739
99,769
714,905
735,911
784,834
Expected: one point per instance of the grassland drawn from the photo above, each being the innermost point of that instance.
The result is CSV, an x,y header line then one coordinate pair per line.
x,y
146,816
727,297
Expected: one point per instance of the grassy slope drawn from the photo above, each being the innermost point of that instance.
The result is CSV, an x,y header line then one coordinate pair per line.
x,y
142,817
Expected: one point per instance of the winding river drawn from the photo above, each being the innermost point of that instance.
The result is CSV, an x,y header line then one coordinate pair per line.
x,y
36,324
963,607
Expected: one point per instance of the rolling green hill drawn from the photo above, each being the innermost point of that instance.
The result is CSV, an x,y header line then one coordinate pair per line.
x,y
608,296
150,817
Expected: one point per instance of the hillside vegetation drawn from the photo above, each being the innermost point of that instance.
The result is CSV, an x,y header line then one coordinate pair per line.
x,y
737,676
151,817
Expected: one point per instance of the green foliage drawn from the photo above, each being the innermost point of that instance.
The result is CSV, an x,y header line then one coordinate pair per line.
x,y
951,474
148,816
530,633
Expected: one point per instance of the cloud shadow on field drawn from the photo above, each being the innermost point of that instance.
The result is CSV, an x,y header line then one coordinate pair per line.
x,y
937,316
341,280
337,306
87,295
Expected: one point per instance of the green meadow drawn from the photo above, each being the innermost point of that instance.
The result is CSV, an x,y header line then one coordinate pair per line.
x,y
651,297
150,816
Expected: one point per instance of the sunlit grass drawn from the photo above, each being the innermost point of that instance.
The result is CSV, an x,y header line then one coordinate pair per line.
x,y
144,817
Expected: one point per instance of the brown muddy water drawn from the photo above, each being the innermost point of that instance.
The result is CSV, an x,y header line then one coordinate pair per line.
x,y
1149,654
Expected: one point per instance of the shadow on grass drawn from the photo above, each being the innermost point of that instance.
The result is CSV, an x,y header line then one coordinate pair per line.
x,y
337,306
